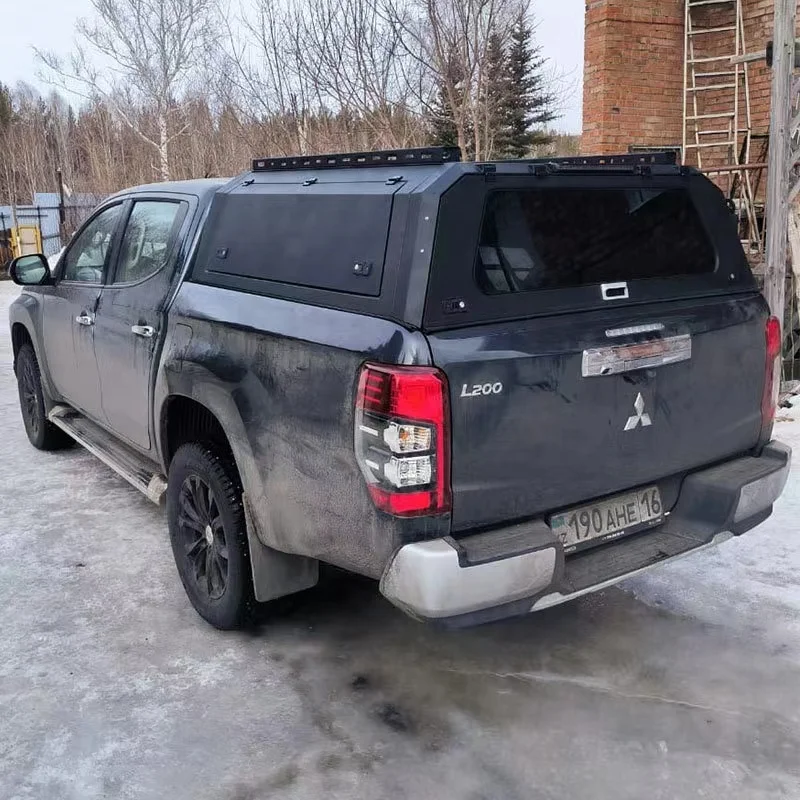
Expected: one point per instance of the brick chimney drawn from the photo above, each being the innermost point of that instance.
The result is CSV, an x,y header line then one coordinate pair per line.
x,y
633,75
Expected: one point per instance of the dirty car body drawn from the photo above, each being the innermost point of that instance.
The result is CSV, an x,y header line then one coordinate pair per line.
x,y
490,387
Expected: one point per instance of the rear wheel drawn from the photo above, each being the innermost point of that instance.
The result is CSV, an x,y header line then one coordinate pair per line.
x,y
208,533
42,434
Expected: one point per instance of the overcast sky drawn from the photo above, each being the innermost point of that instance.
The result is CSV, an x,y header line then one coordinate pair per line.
x,y
49,24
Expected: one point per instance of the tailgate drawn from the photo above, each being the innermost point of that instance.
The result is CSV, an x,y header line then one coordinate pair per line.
x,y
536,282
533,432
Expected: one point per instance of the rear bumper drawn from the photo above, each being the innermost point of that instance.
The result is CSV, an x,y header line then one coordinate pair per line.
x,y
522,568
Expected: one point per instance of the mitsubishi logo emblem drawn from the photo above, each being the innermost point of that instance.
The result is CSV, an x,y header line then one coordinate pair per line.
x,y
640,417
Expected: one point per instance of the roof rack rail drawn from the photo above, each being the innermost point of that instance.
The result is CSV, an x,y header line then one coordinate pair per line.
x,y
655,158
376,158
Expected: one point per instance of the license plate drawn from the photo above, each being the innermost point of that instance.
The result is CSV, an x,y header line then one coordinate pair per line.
x,y
608,519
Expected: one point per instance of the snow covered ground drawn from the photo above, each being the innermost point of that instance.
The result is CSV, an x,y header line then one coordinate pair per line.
x,y
682,683
752,584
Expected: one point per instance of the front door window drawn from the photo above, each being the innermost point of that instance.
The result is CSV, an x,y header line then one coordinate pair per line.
x,y
85,261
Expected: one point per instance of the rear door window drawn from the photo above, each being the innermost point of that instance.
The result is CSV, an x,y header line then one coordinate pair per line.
x,y
149,238
533,240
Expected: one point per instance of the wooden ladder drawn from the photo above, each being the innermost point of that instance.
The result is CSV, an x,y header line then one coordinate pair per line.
x,y
718,132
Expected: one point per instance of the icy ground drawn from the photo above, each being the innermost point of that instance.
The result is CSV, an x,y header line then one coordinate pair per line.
x,y
684,683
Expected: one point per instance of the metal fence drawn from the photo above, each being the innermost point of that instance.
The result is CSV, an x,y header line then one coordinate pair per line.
x,y
55,221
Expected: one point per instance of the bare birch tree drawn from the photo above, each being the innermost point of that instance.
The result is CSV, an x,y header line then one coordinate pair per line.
x,y
136,52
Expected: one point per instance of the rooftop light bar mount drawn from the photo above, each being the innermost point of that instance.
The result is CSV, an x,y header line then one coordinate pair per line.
x,y
377,158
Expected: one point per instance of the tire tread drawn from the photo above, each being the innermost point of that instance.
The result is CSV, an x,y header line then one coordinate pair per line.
x,y
205,457
50,437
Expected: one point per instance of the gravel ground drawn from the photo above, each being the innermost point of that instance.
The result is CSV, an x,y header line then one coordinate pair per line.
x,y
683,683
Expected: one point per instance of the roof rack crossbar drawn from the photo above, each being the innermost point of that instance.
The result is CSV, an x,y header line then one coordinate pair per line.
x,y
377,158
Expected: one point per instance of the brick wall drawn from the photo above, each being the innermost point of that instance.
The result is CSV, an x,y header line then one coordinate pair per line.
x,y
633,88
759,29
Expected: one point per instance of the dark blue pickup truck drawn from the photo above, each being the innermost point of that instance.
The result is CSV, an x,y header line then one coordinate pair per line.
x,y
492,387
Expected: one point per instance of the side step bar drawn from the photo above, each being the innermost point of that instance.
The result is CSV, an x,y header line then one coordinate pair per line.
x,y
140,472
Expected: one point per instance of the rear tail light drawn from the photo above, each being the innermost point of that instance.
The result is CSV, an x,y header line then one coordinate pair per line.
x,y
772,375
402,438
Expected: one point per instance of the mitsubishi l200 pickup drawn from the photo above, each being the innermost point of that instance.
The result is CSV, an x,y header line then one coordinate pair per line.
x,y
491,387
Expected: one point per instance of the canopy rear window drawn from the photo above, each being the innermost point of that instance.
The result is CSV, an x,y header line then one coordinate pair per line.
x,y
537,239
515,245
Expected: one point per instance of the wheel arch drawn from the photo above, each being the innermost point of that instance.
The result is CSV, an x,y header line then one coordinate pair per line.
x,y
20,335
25,318
185,419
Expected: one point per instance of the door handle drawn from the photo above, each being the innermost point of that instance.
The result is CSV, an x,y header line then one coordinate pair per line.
x,y
145,331
84,319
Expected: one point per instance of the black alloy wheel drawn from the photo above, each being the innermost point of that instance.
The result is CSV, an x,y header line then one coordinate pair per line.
x,y
203,537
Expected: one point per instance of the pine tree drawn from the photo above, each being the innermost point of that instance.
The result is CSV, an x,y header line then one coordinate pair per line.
x,y
6,108
497,100
530,104
443,130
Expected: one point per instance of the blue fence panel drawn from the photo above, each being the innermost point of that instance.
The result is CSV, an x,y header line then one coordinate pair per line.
x,y
44,212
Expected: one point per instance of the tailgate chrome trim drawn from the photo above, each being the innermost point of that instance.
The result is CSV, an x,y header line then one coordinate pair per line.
x,y
635,330
629,357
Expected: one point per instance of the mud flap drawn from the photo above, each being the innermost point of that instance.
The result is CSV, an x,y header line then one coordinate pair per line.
x,y
276,574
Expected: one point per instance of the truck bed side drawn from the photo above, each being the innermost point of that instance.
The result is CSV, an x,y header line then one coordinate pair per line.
x,y
280,378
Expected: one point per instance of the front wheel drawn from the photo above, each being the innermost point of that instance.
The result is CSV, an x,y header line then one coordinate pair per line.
x,y
208,533
42,434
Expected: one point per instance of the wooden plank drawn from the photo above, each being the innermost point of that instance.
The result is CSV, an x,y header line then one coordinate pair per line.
x,y
779,156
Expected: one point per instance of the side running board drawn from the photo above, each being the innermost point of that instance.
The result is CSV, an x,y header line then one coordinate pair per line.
x,y
140,472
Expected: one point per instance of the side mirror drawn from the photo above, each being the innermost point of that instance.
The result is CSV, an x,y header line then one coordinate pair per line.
x,y
31,270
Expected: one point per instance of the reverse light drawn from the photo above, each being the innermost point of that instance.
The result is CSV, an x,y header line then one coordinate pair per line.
x,y
402,472
402,438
